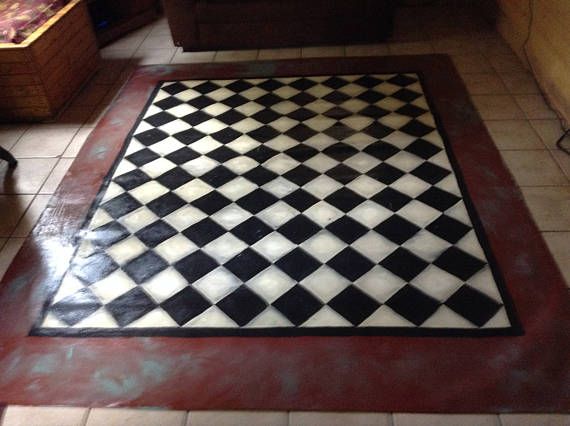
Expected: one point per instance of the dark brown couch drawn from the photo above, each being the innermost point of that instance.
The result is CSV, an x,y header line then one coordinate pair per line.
x,y
226,24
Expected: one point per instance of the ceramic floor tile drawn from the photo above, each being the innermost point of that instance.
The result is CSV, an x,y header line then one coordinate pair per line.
x,y
497,107
90,95
235,55
534,168
237,418
135,417
534,107
520,83
307,418
548,130
161,41
559,244
31,216
410,48
494,45
77,142
55,177
445,420
8,253
484,84
10,133
322,51
75,115
367,50
563,160
109,71
44,416
28,177
550,207
44,140
455,45
181,57
285,53
535,419
118,54
472,63
514,134
152,56
13,208
506,63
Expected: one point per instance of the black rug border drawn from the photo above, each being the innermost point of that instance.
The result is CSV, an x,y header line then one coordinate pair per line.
x,y
515,329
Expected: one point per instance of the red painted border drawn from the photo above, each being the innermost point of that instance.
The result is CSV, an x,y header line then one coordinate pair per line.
x,y
529,373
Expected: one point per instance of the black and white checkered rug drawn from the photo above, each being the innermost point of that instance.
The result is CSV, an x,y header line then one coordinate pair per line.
x,y
282,206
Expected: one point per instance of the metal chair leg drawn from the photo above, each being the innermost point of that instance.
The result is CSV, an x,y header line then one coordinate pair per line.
x,y
5,155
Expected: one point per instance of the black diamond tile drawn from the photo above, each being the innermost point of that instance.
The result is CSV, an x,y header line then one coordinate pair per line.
x,y
397,229
405,95
239,86
260,175
448,228
344,199
230,117
247,264
298,264
340,151
368,81
242,305
404,264
256,201
251,231
299,229
196,118
131,306
416,128
302,98
301,175
120,205
108,234
155,233
350,264
76,307
411,110
301,132
337,113
302,84
371,96
166,204
226,135
145,266
336,98
334,82
206,87
301,152
385,173
391,199
298,305
222,154
347,229
373,111
174,88
159,119
342,174
174,178
381,150
270,85
430,173
150,137
195,266
211,202
339,131
459,263
182,155
377,130
201,102
131,179
473,305
188,136
93,268
300,199
185,305
261,153
235,101
301,114
263,134
423,148
438,199
218,176
353,304
413,304
268,100
203,232
266,116
402,80
142,157
168,103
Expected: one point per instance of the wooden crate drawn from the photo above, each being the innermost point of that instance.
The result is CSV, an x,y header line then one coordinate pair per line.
x,y
41,74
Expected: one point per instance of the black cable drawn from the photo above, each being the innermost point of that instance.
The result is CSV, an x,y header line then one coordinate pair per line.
x,y
559,142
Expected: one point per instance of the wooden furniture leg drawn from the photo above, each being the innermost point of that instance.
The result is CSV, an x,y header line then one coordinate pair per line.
x,y
5,155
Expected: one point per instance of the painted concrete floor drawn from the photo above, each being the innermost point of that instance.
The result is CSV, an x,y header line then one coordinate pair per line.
x,y
521,124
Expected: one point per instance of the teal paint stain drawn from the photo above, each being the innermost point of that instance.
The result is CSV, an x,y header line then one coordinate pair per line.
x,y
118,387
98,152
46,364
69,353
154,370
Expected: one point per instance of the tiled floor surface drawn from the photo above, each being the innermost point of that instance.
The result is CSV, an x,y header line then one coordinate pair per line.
x,y
521,124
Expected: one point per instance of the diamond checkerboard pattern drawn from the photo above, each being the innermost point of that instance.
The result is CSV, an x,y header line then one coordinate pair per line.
x,y
282,204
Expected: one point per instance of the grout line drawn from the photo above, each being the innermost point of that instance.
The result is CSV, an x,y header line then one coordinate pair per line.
x,y
391,421
85,417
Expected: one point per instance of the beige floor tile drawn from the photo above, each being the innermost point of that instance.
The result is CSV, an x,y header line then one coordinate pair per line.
x,y
55,177
130,41
90,95
559,245
13,208
548,130
550,207
534,168
563,160
134,417
410,48
152,56
494,45
367,49
306,418
472,63
7,255
235,55
322,51
181,57
28,177
237,418
535,419
44,140
31,216
446,420
10,133
484,84
77,142
514,134
117,54
506,63
534,107
497,107
109,71
520,83
44,416
160,41
75,115
2,242
455,45
285,53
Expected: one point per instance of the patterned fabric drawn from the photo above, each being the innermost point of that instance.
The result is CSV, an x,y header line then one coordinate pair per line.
x,y
20,18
